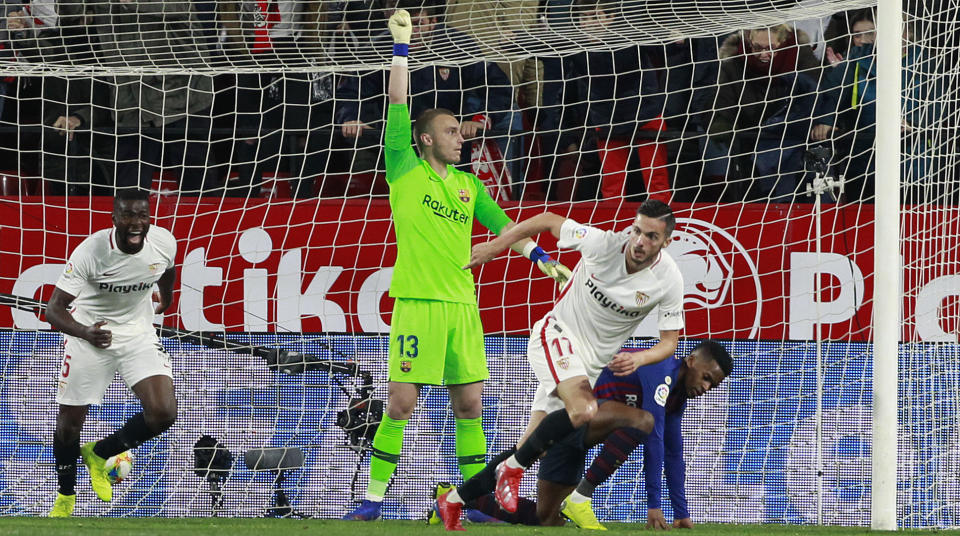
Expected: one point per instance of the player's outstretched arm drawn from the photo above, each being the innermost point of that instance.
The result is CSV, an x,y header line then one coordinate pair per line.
x,y
60,318
401,28
516,234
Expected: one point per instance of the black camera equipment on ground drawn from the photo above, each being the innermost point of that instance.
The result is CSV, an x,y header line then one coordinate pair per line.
x,y
278,460
212,462
363,414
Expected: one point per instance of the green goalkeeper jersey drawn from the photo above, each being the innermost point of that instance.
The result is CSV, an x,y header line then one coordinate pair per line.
x,y
433,219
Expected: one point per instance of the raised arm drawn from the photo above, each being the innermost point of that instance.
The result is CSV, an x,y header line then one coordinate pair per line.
x,y
401,28
398,155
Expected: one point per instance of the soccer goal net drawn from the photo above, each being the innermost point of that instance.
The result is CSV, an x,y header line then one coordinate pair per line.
x,y
258,128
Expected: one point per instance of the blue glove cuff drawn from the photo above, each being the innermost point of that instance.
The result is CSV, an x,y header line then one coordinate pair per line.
x,y
401,49
538,254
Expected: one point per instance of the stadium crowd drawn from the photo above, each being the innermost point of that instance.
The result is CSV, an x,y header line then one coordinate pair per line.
x,y
724,118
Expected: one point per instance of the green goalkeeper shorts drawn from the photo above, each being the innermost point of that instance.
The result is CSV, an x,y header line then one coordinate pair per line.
x,y
436,342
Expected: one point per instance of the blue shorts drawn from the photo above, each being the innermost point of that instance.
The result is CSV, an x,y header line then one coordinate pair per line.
x,y
563,463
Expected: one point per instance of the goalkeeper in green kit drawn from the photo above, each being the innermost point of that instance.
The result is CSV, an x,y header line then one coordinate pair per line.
x,y
435,335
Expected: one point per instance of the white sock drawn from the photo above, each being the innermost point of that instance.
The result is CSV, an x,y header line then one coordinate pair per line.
x,y
454,497
513,463
371,497
577,498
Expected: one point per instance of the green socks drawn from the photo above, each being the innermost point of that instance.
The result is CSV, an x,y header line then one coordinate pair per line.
x,y
387,443
471,447
386,453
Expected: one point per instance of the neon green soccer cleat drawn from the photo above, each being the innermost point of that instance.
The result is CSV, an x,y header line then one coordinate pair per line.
x,y
63,506
98,472
582,515
432,517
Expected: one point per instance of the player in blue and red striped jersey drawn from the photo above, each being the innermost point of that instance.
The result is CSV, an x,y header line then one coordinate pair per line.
x,y
648,403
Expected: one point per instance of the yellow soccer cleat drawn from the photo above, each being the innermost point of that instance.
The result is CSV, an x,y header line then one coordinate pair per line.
x,y
432,517
582,515
63,506
98,472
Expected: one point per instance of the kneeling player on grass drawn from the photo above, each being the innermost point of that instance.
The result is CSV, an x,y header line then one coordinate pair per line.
x,y
627,403
621,277
109,280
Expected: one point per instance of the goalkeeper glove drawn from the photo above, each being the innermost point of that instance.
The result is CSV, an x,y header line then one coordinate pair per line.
x,y
401,27
551,268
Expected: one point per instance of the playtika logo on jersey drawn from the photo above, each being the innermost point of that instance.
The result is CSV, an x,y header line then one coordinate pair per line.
x,y
125,289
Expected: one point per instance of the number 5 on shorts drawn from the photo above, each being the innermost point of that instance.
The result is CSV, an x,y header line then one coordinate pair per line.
x,y
411,344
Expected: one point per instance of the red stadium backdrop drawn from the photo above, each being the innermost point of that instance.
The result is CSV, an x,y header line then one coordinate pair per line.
x,y
749,270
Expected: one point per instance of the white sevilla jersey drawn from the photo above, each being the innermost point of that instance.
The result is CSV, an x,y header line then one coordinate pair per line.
x,y
278,18
602,304
44,13
115,286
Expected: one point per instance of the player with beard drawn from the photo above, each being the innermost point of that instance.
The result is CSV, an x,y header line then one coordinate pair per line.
x,y
109,281
621,277
652,398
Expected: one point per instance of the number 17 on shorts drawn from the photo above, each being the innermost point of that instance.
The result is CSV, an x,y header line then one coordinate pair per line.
x,y
553,354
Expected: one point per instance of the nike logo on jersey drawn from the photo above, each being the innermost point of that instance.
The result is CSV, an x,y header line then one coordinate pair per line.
x,y
110,274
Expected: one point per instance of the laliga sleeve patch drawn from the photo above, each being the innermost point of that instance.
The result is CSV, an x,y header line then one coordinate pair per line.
x,y
579,233
660,395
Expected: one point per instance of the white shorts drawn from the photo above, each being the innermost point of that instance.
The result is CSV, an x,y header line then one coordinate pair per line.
x,y
555,354
87,371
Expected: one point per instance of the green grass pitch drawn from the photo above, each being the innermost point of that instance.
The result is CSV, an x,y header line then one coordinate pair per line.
x,y
293,527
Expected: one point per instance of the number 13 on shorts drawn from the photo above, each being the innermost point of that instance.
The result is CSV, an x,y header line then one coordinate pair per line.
x,y
407,346
403,350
